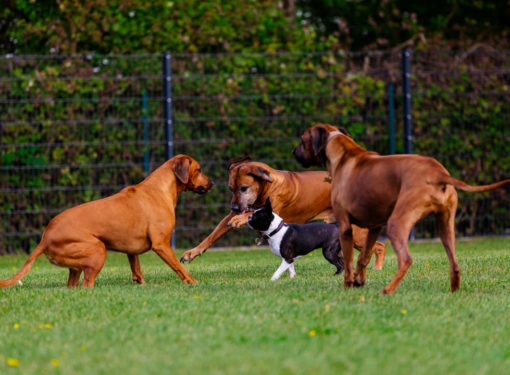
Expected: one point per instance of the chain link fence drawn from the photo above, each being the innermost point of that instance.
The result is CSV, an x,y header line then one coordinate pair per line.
x,y
78,128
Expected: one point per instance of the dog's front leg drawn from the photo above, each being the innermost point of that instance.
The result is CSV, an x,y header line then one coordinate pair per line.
x,y
292,271
347,244
166,253
283,267
364,257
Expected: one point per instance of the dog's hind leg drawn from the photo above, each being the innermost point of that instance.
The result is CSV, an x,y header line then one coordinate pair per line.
x,y
400,223
283,267
93,266
446,226
380,251
74,278
136,270
333,255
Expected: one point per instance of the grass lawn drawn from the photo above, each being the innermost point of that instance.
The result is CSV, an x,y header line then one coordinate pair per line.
x,y
236,321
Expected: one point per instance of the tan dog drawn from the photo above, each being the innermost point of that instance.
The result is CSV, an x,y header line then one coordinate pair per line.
x,y
133,221
298,197
408,188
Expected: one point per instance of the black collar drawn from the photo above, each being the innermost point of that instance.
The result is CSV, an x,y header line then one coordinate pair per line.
x,y
280,226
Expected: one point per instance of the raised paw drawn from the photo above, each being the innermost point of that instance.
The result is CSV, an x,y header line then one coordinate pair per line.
x,y
189,255
238,221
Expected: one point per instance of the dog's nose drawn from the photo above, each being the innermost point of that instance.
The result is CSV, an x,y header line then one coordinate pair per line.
x,y
234,207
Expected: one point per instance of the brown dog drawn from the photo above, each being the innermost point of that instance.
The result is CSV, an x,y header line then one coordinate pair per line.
x,y
298,197
408,188
133,221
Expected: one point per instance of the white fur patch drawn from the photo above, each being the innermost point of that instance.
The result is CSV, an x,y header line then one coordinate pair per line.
x,y
274,243
275,240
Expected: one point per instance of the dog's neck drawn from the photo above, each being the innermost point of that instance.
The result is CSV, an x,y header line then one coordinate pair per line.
x,y
332,159
333,135
339,149
276,235
275,227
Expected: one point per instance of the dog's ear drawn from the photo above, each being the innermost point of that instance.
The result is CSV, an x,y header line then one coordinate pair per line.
x,y
319,139
181,169
261,173
236,161
267,205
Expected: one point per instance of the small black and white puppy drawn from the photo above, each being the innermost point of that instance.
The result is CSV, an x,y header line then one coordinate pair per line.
x,y
291,241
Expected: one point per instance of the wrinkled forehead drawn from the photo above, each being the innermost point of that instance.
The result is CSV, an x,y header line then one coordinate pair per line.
x,y
239,175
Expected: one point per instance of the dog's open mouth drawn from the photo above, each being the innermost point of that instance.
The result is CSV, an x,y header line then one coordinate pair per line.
x,y
249,209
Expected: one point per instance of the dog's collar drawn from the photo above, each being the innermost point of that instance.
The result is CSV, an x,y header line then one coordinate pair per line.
x,y
278,228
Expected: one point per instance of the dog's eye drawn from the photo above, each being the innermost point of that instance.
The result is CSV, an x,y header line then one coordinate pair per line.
x,y
243,189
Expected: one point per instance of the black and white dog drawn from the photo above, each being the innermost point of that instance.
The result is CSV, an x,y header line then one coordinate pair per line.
x,y
291,241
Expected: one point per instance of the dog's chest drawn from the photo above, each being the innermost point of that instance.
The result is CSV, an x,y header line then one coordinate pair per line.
x,y
275,242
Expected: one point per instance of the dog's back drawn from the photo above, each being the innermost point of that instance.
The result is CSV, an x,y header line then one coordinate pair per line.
x,y
315,235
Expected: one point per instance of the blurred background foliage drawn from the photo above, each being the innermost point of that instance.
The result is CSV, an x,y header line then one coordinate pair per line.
x,y
74,128
134,26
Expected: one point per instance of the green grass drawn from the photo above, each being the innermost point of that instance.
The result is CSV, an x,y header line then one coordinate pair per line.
x,y
236,321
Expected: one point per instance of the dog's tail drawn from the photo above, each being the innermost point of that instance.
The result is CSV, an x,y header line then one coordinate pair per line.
x,y
446,179
26,267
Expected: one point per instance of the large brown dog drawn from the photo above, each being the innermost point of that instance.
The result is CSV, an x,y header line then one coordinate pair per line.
x,y
133,221
408,188
298,197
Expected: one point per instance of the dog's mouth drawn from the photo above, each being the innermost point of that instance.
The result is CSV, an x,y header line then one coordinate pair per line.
x,y
202,190
243,211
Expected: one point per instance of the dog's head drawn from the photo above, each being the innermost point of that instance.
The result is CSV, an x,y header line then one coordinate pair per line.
x,y
312,150
247,181
189,173
262,218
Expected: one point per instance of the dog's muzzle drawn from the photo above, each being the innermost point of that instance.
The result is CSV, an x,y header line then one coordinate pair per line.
x,y
203,190
300,157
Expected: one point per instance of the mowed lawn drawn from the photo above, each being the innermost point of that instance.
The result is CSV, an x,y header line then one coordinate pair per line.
x,y
236,321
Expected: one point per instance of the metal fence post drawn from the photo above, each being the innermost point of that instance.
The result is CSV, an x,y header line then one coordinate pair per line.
x,y
406,92
145,117
167,105
391,116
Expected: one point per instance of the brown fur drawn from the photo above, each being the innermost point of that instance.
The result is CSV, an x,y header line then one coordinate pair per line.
x,y
298,197
133,221
408,188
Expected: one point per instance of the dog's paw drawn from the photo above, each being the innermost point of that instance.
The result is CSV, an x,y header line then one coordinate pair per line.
x,y
238,221
189,255
348,284
138,280
358,283
190,281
